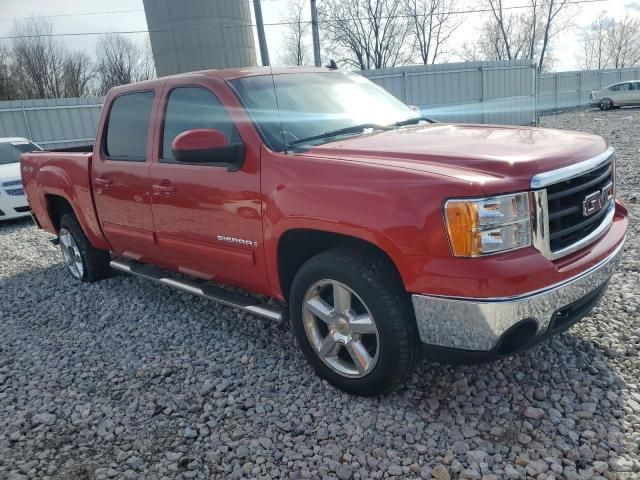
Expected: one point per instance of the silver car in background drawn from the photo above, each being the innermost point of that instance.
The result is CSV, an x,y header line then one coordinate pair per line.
x,y
619,94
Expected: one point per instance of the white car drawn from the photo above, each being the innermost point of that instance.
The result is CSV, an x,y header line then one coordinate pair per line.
x,y
13,201
619,94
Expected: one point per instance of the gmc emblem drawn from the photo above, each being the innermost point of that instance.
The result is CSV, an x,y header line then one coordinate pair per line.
x,y
594,202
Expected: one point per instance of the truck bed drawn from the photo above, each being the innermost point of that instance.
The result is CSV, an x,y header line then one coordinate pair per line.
x,y
62,177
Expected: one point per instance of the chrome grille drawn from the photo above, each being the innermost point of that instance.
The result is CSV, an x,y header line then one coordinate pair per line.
x,y
567,221
563,222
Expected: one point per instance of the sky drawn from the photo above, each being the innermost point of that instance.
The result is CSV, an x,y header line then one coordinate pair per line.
x,y
75,16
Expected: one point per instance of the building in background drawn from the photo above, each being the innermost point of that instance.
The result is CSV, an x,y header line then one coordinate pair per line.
x,y
200,34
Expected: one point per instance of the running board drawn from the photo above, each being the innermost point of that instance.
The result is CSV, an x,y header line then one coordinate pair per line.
x,y
211,292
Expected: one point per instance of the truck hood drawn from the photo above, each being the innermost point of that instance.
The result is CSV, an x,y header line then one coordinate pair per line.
x,y
10,171
497,158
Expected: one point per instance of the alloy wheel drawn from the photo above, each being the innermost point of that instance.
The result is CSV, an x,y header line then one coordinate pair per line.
x,y
71,254
340,328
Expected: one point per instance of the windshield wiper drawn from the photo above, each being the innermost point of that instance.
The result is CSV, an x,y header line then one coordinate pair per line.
x,y
342,131
413,121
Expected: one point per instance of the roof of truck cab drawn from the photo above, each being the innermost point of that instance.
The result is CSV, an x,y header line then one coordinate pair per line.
x,y
226,74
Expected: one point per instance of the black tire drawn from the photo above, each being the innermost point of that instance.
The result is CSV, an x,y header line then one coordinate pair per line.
x,y
377,286
606,104
95,262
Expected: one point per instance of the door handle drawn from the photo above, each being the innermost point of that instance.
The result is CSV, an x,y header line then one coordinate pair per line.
x,y
103,182
164,188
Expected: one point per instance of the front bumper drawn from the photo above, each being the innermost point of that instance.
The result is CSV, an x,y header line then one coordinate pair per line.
x,y
481,325
13,206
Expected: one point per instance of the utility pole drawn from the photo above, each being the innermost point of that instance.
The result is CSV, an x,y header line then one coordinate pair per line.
x,y
315,34
262,39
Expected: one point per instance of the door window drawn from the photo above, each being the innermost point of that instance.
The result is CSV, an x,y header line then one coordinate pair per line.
x,y
128,127
189,108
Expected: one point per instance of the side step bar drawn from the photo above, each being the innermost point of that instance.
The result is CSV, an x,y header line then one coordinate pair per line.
x,y
211,292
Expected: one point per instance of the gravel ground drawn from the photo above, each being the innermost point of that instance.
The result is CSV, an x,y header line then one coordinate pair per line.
x,y
126,379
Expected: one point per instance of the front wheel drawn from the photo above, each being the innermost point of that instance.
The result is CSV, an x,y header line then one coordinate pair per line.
x,y
353,322
84,261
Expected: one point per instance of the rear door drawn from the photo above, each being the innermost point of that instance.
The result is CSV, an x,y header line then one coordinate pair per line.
x,y
622,94
635,93
121,175
208,220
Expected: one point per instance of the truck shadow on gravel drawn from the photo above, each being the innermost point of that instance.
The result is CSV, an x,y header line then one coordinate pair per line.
x,y
194,377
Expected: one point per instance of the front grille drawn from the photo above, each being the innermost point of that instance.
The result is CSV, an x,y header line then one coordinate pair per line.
x,y
567,222
13,188
15,192
12,183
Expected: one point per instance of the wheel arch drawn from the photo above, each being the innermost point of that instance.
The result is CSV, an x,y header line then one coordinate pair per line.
x,y
298,245
57,206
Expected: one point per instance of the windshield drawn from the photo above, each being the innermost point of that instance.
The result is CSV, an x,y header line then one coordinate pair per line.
x,y
312,104
10,151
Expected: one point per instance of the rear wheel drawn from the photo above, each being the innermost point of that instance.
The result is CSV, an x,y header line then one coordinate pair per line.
x,y
606,104
352,320
83,261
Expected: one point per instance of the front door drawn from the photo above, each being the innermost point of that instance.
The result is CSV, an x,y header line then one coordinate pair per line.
x,y
121,176
208,220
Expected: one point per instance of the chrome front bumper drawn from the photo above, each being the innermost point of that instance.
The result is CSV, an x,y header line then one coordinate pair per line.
x,y
478,324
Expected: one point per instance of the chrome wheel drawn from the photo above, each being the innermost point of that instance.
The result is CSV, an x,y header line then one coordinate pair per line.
x,y
71,253
340,328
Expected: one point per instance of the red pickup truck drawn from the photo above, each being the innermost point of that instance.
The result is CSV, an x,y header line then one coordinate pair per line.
x,y
373,228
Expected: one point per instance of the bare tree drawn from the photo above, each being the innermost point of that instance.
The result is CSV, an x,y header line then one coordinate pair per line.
x,y
516,35
39,59
593,43
555,22
490,43
8,88
366,34
296,47
77,75
119,61
623,42
147,69
433,24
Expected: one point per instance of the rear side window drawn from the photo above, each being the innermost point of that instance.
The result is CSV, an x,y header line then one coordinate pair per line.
x,y
194,107
128,127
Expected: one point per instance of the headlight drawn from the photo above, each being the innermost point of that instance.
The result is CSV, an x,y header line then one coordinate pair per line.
x,y
488,225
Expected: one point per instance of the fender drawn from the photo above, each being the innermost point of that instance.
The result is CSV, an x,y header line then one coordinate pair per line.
x,y
360,232
54,180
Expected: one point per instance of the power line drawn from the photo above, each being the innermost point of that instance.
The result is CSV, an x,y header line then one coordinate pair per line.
x,y
272,24
82,14
78,14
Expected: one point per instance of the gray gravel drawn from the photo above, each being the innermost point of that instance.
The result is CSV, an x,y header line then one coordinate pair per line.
x,y
125,379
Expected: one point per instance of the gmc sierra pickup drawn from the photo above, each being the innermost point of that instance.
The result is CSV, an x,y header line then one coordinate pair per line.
x,y
372,228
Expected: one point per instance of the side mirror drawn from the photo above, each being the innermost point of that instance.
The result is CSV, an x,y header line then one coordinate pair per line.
x,y
206,146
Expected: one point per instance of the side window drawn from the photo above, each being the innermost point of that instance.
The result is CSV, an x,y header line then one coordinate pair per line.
x,y
194,107
625,86
128,127
636,85
614,88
